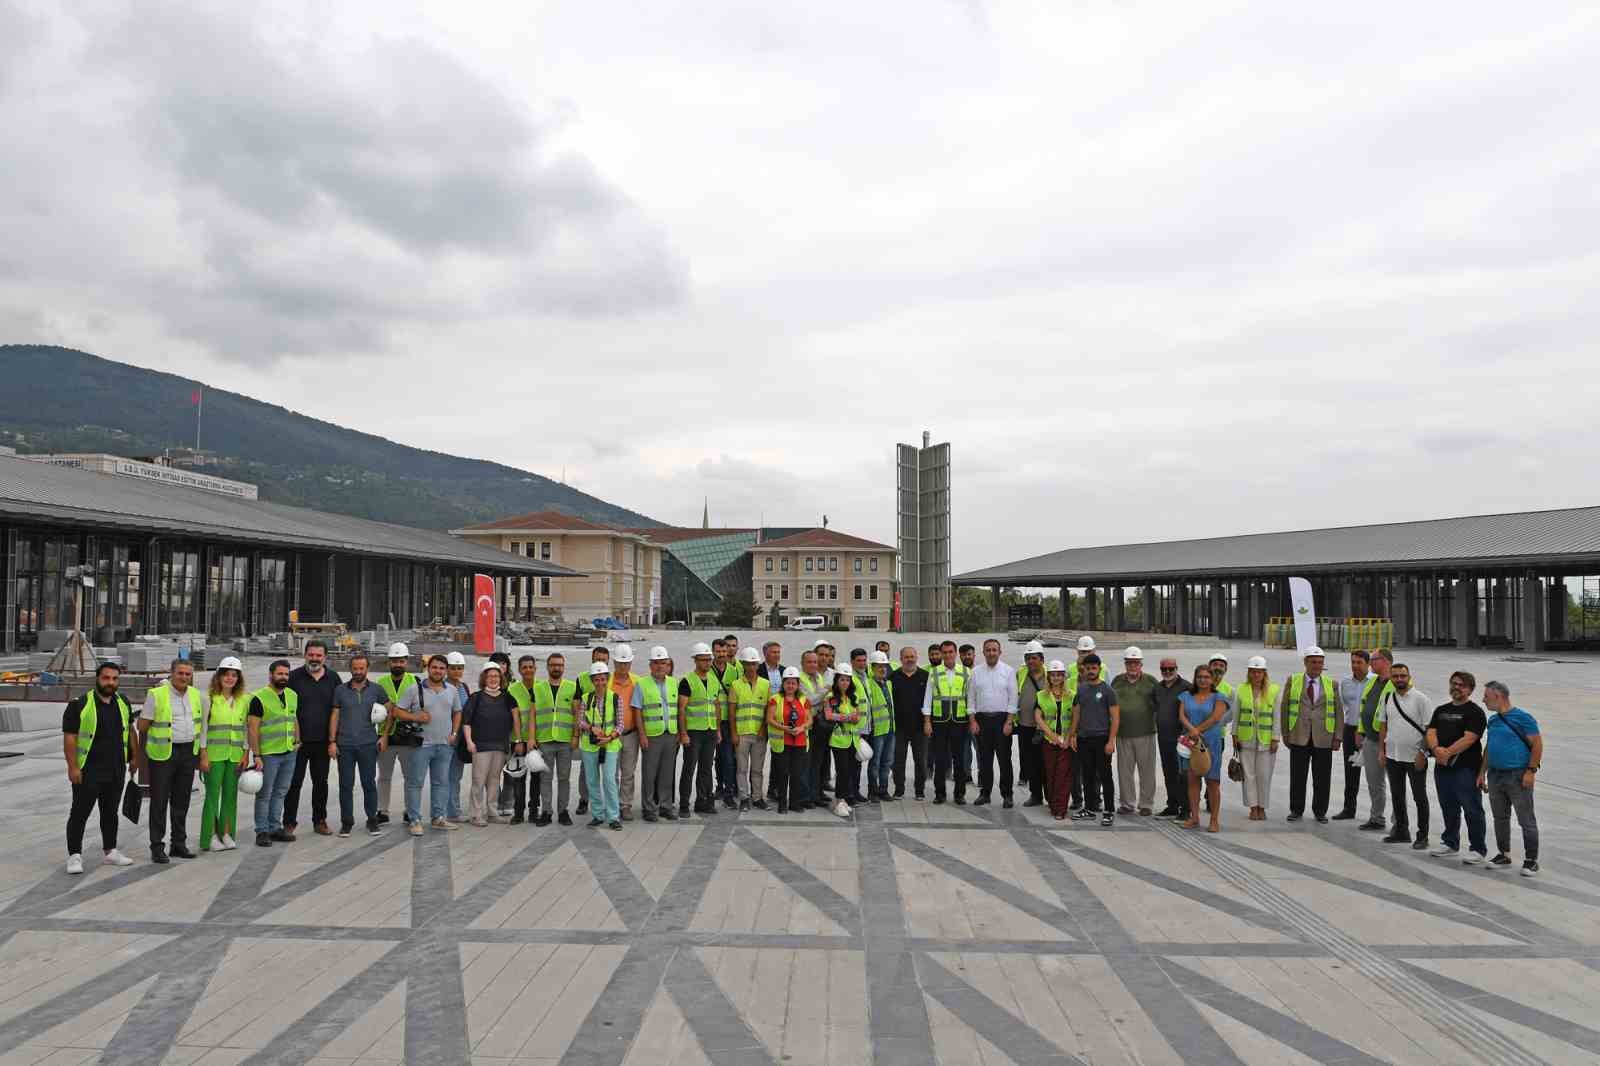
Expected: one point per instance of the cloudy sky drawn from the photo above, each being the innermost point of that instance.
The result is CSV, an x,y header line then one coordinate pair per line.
x,y
1155,270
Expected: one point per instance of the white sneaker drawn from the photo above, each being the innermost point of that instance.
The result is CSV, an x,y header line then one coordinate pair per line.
x,y
1472,859
74,864
116,858
228,843
841,808
1444,849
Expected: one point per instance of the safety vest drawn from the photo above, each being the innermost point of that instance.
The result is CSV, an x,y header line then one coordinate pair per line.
x,y
775,736
659,703
1330,702
949,693
277,720
225,733
1058,713
1257,725
89,721
730,673
1383,698
749,705
845,733
814,691
606,719
878,698
158,744
701,711
393,691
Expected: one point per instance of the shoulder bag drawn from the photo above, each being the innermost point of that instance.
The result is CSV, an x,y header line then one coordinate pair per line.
x,y
1421,760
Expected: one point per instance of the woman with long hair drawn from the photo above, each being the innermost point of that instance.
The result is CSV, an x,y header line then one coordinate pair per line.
x,y
1255,735
1200,713
1054,718
222,747
788,734
845,710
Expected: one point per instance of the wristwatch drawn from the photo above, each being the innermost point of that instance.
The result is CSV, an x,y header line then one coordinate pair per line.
x,y
1531,769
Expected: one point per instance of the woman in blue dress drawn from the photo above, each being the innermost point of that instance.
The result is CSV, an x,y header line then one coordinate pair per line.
x,y
1200,712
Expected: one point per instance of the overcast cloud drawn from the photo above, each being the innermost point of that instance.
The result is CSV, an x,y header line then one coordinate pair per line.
x,y
1154,270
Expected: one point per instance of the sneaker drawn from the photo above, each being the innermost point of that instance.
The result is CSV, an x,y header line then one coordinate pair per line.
x,y
504,812
1397,838
744,805
1420,844
1501,859
1294,816
1444,849
1169,811
263,840
583,807
981,801
344,829
1123,808
116,858
180,851
937,799
443,823
1107,818
227,842
760,805
1145,812
516,819
1080,814
374,828
1472,858
960,800
1530,868
479,823
1007,804
74,864
416,828
565,819
667,814
1345,816
615,823
544,819
650,816
595,823
841,808
383,817
1372,824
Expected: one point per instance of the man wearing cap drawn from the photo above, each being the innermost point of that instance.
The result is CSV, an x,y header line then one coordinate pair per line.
x,y
880,698
622,683
746,722
1136,734
908,685
655,712
1031,680
356,744
1171,686
1309,725
699,712
992,703
945,721
393,683
313,684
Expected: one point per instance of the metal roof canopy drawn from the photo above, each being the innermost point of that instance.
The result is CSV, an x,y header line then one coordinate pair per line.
x,y
40,492
1524,539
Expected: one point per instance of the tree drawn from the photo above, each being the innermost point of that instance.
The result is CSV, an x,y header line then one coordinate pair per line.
x,y
738,610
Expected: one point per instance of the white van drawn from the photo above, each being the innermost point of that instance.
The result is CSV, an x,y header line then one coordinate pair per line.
x,y
807,621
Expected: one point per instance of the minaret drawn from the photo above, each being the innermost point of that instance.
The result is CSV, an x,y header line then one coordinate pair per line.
x,y
705,514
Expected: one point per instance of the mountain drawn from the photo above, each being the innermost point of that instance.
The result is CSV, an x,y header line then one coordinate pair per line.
x,y
62,400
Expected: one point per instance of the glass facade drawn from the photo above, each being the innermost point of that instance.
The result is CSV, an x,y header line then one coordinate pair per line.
x,y
227,599
178,590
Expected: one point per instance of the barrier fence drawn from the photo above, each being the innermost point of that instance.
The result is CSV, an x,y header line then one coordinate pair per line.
x,y
1344,634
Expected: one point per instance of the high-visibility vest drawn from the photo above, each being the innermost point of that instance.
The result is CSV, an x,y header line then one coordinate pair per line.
x,y
158,743
949,693
89,721
1257,725
775,737
815,692
1330,702
277,720
546,712
881,700
730,673
605,717
701,712
1383,697
749,705
845,733
393,691
1058,713
659,703
225,732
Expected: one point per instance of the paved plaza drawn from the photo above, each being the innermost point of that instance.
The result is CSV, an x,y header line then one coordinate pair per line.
x,y
911,934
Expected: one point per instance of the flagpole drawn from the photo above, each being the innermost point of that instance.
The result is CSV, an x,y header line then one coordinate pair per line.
x,y
199,406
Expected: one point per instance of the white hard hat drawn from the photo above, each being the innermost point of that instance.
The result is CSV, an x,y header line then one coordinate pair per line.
x,y
749,655
455,658
822,643
250,782
536,763
515,767
1219,657
1033,648
1056,667
398,650
1133,652
380,714
1257,662
1309,652
231,663
1086,643
623,654
878,658
658,653
790,671
699,649
598,668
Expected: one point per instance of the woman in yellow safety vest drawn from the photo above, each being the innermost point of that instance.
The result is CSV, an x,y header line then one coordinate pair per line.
x,y
222,746
846,710
788,734
1255,735
1054,719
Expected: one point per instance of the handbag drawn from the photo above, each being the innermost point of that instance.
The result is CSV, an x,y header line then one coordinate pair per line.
x,y
1200,758
1235,769
132,800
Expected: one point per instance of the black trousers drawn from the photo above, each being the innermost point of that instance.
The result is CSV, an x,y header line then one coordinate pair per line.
x,y
1092,765
788,775
909,738
817,768
846,774
312,755
1031,757
1319,761
1352,774
1177,788
1399,773
171,781
699,759
946,744
994,744
106,790
520,794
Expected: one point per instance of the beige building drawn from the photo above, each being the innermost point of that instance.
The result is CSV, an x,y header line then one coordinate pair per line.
x,y
847,580
621,568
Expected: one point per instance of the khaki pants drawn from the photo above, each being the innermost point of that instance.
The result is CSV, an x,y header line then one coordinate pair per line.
x,y
486,767
1258,764
750,775
628,764
1137,754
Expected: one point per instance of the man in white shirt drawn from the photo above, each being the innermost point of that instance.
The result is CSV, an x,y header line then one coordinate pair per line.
x,y
1402,722
992,701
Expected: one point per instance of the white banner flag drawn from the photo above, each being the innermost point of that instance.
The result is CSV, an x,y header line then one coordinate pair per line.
x,y
1305,613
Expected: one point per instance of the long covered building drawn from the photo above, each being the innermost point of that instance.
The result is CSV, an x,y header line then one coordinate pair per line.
x,y
165,558
1528,580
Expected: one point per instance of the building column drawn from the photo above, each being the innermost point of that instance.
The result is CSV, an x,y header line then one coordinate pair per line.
x,y
1147,597
1118,610
997,615
1256,619
1401,611
1066,607
1090,600
1219,621
1180,612
1532,613
1464,608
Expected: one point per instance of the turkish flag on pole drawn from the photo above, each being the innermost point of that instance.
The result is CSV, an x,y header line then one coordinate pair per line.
x,y
194,397
482,614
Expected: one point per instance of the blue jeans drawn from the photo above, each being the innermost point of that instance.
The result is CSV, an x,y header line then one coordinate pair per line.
x,y
1458,791
351,761
277,772
881,764
452,804
433,760
604,802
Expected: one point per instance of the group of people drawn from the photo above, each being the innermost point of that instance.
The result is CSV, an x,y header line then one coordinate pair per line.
x,y
824,723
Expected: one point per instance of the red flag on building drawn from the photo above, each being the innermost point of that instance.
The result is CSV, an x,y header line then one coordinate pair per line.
x,y
482,614
194,397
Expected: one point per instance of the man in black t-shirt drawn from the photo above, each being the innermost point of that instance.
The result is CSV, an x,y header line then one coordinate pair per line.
x,y
1455,738
95,732
314,685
